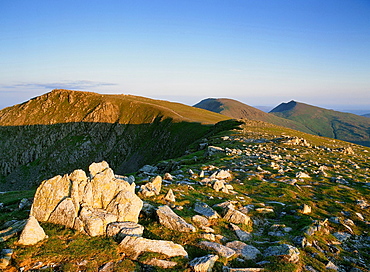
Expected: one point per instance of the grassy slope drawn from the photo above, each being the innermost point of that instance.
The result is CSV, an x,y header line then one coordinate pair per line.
x,y
67,248
63,106
328,123
236,109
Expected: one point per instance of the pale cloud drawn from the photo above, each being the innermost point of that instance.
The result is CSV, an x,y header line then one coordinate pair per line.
x,y
73,85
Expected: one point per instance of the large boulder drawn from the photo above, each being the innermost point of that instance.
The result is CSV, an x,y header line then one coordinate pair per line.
x,y
32,232
171,220
134,246
87,204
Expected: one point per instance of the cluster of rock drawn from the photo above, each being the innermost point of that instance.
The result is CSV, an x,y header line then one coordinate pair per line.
x,y
87,204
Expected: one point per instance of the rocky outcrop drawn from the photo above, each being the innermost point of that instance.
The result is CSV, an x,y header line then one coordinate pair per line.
x,y
87,204
32,233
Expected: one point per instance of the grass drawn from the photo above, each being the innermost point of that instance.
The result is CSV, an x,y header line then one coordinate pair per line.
x,y
327,199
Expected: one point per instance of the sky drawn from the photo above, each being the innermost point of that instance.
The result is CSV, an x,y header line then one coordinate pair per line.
x,y
259,52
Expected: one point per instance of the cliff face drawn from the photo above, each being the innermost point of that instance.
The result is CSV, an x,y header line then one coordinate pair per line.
x,y
59,131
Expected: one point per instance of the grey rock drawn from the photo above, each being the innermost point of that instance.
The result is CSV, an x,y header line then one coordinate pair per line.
x,y
134,246
5,258
237,217
288,252
11,228
171,220
152,188
204,263
242,235
201,221
342,236
205,210
122,229
219,249
245,251
160,263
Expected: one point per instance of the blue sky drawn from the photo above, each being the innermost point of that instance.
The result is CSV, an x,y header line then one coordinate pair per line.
x,y
260,52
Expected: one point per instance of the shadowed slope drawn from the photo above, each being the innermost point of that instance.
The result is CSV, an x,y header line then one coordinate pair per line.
x,y
64,130
236,109
328,123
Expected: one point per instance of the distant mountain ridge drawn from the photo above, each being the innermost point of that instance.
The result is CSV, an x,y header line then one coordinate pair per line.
x,y
61,130
328,123
366,115
236,109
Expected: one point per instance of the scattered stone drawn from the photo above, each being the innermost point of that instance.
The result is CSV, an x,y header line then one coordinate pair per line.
x,y
220,185
220,250
108,267
331,265
171,220
302,175
148,210
237,217
152,188
245,251
306,209
229,269
134,246
201,221
342,236
221,174
168,176
203,209
32,232
148,169
11,228
203,264
211,150
264,210
25,203
160,263
288,252
242,235
170,197
5,258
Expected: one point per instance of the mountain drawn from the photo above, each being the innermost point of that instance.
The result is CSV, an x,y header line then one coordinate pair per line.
x,y
61,130
367,115
328,123
239,110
